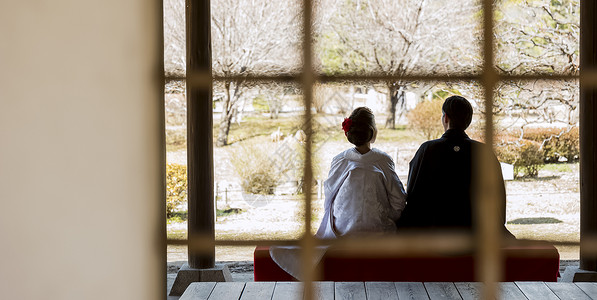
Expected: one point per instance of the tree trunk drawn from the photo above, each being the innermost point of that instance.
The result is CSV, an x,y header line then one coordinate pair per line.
x,y
228,110
397,103
224,129
225,119
274,113
393,96
272,104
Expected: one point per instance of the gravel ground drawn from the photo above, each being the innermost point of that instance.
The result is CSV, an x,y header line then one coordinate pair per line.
x,y
552,197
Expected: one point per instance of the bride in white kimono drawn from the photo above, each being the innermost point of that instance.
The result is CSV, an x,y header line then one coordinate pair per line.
x,y
363,194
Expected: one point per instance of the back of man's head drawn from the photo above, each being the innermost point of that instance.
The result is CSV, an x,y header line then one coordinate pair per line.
x,y
459,111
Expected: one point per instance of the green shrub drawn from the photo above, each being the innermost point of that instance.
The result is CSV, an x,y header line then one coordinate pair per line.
x,y
259,182
524,155
176,187
254,166
178,216
426,118
557,142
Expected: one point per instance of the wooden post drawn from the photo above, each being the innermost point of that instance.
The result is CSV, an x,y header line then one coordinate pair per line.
x,y
199,131
588,134
201,226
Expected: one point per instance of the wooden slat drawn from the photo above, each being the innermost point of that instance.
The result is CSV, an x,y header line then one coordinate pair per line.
x,y
387,290
258,290
567,290
442,290
536,290
469,290
590,288
350,290
380,290
198,291
227,291
288,291
411,291
510,291
323,290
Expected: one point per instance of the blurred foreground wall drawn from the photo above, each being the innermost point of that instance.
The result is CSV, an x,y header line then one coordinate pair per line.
x,y
81,150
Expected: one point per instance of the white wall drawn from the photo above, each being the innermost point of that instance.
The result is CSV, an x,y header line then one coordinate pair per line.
x,y
81,150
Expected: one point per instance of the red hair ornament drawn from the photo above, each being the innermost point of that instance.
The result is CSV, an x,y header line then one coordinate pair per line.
x,y
346,125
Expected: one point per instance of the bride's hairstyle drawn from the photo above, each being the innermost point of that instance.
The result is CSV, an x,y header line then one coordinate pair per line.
x,y
362,126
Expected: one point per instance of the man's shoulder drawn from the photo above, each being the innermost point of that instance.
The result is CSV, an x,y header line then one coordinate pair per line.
x,y
442,145
433,143
478,143
427,150
477,146
430,143
443,140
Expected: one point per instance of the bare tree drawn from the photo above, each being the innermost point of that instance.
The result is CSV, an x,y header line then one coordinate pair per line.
x,y
174,38
540,36
252,37
274,94
400,37
538,102
249,37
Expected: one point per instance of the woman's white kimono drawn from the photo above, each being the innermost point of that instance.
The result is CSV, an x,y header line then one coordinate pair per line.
x,y
362,195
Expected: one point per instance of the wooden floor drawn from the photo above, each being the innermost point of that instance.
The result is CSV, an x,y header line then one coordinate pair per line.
x,y
388,290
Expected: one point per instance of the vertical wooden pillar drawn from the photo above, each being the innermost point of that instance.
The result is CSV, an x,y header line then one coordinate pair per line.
x,y
199,131
588,134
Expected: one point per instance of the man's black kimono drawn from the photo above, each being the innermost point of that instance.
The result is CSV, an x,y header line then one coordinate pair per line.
x,y
440,182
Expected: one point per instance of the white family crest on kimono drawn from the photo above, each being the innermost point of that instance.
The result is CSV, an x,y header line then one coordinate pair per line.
x,y
363,195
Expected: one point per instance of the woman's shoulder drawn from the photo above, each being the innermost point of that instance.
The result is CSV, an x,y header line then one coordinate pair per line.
x,y
383,159
342,155
381,154
373,156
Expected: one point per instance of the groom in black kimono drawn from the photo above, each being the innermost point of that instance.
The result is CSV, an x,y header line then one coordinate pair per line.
x,y
439,188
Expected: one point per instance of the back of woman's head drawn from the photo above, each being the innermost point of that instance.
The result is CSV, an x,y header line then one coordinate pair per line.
x,y
362,126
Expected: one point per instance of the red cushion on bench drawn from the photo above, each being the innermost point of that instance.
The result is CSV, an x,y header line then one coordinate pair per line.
x,y
531,262
266,269
536,262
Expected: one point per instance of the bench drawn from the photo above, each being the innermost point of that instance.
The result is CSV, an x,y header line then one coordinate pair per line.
x,y
528,262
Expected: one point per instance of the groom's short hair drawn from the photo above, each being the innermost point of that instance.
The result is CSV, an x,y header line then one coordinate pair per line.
x,y
459,111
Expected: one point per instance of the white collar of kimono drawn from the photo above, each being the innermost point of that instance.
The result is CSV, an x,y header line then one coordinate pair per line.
x,y
355,155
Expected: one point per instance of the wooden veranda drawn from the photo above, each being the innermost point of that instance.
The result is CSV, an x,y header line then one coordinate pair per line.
x,y
388,290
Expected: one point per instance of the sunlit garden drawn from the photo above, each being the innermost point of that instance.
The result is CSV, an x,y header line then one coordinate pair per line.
x,y
259,132
258,176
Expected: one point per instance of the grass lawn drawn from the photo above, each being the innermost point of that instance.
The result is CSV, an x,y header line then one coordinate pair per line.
x,y
255,126
262,126
560,167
